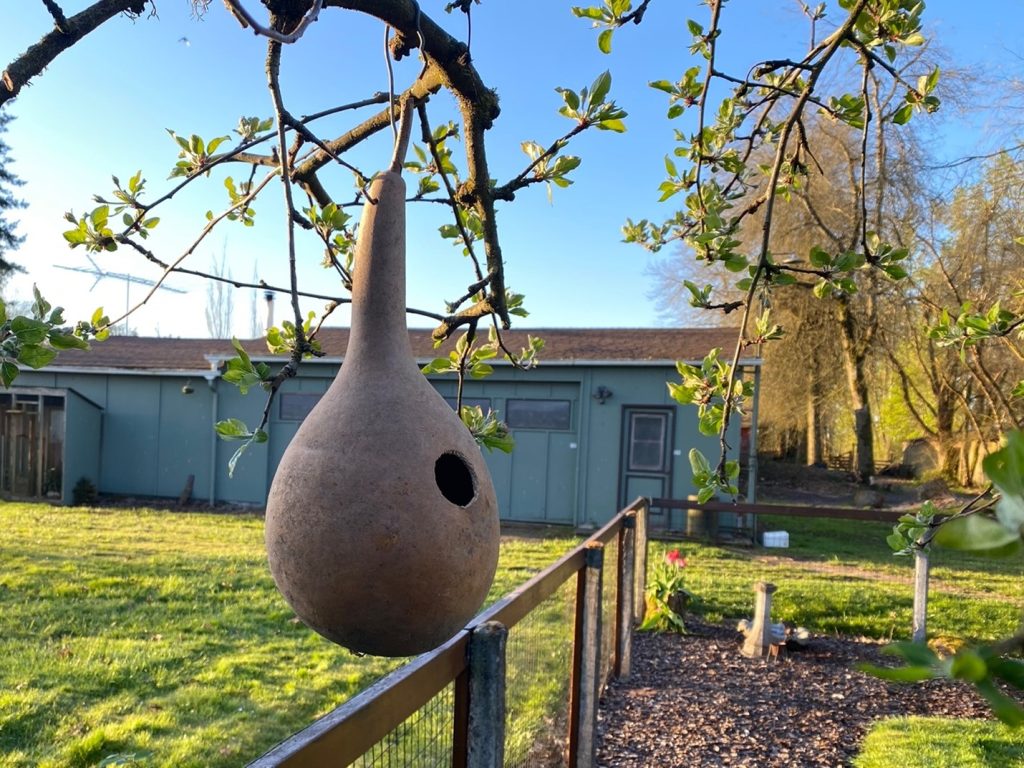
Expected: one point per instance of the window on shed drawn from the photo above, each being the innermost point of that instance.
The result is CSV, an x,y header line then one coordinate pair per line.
x,y
538,414
647,441
295,406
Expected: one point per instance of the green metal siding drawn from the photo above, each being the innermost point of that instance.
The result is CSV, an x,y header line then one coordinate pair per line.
x,y
251,477
154,436
131,436
183,447
82,440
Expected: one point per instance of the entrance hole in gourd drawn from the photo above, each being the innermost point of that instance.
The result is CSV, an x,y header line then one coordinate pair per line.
x,y
455,479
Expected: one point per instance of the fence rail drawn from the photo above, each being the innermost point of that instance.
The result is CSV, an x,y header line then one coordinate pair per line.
x,y
446,700
784,510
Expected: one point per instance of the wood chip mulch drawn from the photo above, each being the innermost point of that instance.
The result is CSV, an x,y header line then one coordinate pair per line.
x,y
694,700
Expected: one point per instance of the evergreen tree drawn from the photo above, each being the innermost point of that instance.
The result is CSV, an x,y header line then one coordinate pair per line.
x,y
9,239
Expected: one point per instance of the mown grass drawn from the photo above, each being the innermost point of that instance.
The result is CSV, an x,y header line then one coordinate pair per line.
x,y
158,639
839,576
925,742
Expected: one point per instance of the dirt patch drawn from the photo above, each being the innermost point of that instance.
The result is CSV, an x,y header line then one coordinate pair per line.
x,y
782,482
694,700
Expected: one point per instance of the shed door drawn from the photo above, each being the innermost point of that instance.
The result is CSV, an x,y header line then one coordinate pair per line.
x,y
646,458
537,481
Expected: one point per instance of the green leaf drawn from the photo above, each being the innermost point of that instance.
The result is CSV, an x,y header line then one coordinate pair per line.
x,y
1005,468
895,271
912,674
232,429
233,461
572,100
29,331
8,372
709,423
903,114
604,41
611,125
36,356
968,665
819,258
896,542
917,654
698,462
1003,707
587,13
1010,670
60,340
977,533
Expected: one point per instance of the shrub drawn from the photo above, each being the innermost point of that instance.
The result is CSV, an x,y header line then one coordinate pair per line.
x,y
84,493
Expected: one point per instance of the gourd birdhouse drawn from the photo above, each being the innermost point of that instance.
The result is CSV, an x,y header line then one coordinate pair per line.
x,y
382,523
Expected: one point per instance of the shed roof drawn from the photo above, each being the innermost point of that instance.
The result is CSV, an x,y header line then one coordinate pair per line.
x,y
138,353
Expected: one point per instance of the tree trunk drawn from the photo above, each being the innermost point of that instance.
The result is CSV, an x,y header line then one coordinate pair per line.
x,y
854,359
813,433
946,447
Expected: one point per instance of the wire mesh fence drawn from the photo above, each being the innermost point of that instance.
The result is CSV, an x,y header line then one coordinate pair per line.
x,y
422,715
539,668
609,606
423,740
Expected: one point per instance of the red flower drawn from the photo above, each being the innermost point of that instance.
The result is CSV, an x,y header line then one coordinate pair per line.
x,y
675,558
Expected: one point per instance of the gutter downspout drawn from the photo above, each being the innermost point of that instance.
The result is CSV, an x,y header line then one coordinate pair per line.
x,y
211,381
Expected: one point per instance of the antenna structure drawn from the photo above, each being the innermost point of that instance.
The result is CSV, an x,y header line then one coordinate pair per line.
x,y
99,273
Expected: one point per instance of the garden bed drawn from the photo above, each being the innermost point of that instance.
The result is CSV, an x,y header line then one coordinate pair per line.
x,y
693,700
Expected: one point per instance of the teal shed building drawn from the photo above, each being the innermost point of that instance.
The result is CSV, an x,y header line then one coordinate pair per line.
x,y
594,425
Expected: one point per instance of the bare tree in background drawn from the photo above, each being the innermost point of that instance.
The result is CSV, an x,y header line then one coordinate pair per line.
x,y
256,328
220,299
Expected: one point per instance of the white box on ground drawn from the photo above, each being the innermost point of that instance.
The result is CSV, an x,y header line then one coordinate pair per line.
x,y
775,538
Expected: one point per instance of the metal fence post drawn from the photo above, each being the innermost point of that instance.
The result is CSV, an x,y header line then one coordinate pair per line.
x,y
586,660
485,732
640,562
919,628
624,609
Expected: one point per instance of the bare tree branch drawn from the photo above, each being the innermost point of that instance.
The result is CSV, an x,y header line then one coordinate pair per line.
x,y
41,55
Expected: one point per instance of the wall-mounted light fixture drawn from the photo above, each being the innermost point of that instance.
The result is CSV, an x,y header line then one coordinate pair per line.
x,y
601,394
186,388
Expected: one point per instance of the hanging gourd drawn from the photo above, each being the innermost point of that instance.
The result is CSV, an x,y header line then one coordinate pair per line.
x,y
382,524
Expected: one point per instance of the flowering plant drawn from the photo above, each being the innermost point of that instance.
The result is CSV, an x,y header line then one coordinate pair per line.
x,y
666,597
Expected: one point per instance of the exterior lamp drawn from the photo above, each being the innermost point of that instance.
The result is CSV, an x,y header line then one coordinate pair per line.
x,y
601,394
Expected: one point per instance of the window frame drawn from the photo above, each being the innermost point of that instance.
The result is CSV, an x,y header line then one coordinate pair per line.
x,y
510,415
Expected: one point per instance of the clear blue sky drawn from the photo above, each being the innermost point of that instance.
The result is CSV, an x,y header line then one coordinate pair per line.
x,y
102,108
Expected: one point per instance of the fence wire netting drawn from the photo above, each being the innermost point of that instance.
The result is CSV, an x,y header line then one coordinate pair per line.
x,y
423,740
538,672
539,661
609,605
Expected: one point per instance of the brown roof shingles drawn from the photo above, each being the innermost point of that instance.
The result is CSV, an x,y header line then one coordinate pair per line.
x,y
561,344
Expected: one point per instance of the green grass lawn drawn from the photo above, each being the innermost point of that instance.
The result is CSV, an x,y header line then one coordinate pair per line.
x,y
925,742
158,639
839,576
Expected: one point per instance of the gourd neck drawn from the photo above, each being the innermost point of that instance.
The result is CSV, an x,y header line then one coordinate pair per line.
x,y
379,330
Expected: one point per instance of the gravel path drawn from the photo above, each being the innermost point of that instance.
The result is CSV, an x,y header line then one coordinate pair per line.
x,y
694,700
